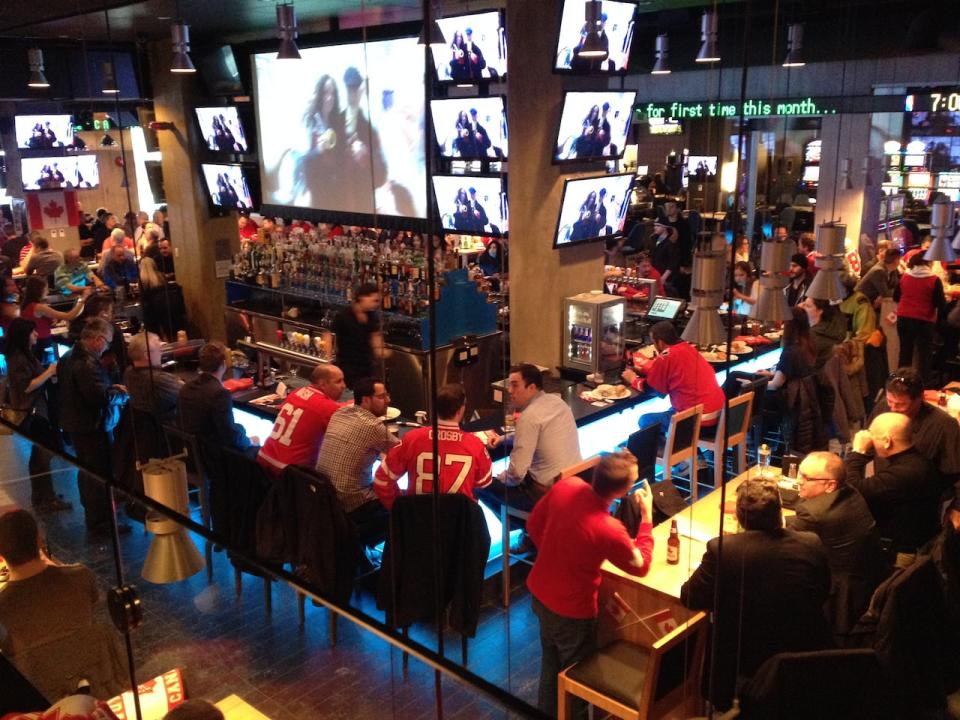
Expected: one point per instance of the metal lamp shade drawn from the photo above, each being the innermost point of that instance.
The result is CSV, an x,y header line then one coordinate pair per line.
x,y
941,227
772,304
709,269
172,555
287,29
826,285
35,60
661,66
708,39
704,328
181,62
794,57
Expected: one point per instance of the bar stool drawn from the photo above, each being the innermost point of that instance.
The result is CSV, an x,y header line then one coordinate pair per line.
x,y
681,444
625,679
506,512
736,415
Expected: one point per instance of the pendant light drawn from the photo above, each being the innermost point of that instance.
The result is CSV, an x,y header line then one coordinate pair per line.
x,y
287,30
35,60
708,38
941,228
593,47
826,284
794,57
662,50
172,556
772,304
180,36
709,267
109,86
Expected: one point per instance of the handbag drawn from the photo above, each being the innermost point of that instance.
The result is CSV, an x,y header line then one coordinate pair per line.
x,y
8,413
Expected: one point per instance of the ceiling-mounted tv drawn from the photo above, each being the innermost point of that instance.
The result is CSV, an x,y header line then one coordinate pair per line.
x,y
222,129
615,37
43,132
475,48
56,173
472,204
219,70
470,128
229,187
593,125
593,208
342,128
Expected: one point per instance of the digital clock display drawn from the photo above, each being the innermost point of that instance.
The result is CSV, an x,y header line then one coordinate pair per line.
x,y
940,100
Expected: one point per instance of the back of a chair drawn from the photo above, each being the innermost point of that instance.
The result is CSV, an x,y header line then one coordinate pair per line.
x,y
737,418
675,665
644,444
582,470
822,684
683,434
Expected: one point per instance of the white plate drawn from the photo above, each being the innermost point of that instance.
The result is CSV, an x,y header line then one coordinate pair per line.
x,y
711,357
392,414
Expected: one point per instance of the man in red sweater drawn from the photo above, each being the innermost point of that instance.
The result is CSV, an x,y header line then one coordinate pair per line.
x,y
679,371
574,533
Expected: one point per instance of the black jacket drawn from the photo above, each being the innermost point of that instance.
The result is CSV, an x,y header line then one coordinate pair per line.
x,y
406,588
848,531
206,410
903,495
777,583
88,403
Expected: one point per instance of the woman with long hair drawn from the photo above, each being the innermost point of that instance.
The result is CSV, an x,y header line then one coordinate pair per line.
x,y
33,307
746,290
797,357
26,404
162,302
921,301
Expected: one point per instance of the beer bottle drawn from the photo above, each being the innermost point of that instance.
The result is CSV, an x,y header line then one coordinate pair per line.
x,y
673,544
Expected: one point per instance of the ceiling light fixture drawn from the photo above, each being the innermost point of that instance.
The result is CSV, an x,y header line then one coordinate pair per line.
x,y
794,57
708,38
109,79
35,59
593,47
662,50
180,37
287,30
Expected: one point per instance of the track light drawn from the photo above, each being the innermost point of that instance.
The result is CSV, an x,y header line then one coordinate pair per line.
x,y
287,30
661,66
794,57
593,47
181,62
109,80
35,59
708,38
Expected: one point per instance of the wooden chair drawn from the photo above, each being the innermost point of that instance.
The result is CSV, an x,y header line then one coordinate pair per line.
x,y
737,417
639,683
583,469
681,445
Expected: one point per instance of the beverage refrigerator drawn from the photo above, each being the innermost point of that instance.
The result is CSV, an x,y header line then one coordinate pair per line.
x,y
593,332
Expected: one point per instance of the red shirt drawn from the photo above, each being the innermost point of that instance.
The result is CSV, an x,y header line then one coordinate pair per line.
x,y
574,533
917,295
464,463
109,243
298,430
43,323
682,373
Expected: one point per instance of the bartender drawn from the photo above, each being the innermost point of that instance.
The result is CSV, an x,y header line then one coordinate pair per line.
x,y
358,336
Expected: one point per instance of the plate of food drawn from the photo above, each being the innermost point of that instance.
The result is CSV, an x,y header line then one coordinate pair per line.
x,y
392,414
739,347
607,392
717,356
775,335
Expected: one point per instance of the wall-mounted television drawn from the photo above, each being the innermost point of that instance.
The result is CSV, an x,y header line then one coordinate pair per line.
x,y
593,125
475,48
219,70
811,174
701,167
472,204
341,129
229,186
55,173
616,35
222,129
43,132
593,208
470,128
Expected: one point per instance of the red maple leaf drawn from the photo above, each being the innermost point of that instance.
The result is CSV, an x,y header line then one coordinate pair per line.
x,y
54,209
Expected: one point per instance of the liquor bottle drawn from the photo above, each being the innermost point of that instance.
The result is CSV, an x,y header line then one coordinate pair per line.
x,y
673,544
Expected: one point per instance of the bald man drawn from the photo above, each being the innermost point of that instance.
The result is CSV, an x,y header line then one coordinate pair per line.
x,y
904,492
839,516
302,421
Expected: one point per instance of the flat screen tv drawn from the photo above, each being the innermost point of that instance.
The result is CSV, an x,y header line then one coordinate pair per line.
x,y
593,208
342,129
616,35
470,128
593,125
811,174
812,151
55,173
472,204
219,70
475,48
42,132
228,186
701,167
222,129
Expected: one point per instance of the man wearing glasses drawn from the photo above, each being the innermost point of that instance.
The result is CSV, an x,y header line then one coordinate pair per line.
x,y
936,435
355,438
839,516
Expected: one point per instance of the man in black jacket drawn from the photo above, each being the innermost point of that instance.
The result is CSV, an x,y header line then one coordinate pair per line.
x,y
904,491
89,410
206,408
774,584
839,516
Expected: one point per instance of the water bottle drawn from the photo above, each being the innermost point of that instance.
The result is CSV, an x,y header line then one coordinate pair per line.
x,y
763,461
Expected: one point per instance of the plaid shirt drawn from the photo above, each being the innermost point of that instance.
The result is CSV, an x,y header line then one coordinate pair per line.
x,y
354,439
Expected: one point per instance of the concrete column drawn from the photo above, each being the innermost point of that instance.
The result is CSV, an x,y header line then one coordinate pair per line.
x,y
194,233
540,277
849,138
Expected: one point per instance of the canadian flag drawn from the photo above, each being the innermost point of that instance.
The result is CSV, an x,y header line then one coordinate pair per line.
x,y
53,208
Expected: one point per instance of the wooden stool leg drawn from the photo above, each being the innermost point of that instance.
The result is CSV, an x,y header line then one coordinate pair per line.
x,y
505,552
563,708
742,457
719,458
693,475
